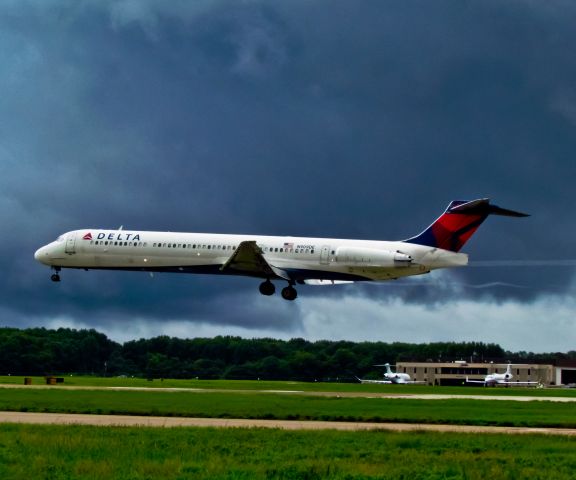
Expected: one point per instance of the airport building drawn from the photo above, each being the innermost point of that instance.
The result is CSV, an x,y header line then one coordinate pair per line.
x,y
565,372
455,373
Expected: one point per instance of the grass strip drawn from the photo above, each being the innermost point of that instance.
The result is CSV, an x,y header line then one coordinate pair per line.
x,y
291,407
66,452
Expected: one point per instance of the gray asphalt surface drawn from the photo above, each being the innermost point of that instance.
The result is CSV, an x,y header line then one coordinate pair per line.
x,y
409,396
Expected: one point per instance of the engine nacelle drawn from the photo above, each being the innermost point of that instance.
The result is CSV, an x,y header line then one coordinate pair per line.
x,y
372,257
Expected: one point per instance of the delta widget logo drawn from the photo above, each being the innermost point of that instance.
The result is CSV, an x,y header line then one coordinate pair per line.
x,y
119,236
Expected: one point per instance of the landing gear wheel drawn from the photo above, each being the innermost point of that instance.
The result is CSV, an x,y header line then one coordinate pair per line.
x,y
267,288
55,277
289,293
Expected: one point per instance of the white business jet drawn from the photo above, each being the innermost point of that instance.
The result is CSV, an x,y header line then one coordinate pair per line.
x,y
391,377
494,379
295,260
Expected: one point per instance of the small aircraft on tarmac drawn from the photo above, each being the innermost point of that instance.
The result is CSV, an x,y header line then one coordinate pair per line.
x,y
391,377
495,379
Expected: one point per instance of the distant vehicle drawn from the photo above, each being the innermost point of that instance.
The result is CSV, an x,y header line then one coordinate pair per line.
x,y
505,379
391,377
296,260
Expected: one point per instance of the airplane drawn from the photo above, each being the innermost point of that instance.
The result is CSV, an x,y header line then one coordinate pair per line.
x,y
494,379
296,260
391,377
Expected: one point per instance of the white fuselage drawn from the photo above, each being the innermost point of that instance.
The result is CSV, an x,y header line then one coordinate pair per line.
x,y
304,260
506,379
398,377
499,378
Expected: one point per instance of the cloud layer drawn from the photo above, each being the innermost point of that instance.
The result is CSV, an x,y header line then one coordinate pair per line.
x,y
305,118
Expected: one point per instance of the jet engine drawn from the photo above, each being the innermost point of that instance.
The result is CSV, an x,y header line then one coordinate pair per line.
x,y
372,257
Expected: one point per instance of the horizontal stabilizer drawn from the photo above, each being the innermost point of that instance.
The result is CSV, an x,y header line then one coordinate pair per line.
x,y
483,207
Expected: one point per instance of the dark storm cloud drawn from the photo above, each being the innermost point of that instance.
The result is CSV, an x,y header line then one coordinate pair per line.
x,y
335,119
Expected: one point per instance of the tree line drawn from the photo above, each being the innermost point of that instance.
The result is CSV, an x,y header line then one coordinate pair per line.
x,y
40,351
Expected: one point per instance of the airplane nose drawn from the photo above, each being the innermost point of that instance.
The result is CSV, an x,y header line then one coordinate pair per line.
x,y
41,254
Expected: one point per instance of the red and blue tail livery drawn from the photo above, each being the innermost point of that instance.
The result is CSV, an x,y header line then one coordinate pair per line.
x,y
458,223
295,260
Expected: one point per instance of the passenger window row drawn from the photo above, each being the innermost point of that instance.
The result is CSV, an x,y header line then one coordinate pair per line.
x,y
111,243
287,250
194,246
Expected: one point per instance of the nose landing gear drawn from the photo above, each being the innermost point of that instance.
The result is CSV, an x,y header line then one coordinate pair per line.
x,y
55,277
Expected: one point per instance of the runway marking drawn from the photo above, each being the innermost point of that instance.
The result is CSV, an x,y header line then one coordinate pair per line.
x,y
172,422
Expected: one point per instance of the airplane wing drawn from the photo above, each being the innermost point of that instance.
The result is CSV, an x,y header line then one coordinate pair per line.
x,y
513,383
361,380
475,381
248,258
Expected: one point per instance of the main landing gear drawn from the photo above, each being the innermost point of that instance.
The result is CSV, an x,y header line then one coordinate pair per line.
x,y
267,288
55,277
288,293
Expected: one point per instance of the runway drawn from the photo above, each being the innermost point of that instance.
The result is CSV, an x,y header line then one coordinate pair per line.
x,y
403,396
172,422
169,422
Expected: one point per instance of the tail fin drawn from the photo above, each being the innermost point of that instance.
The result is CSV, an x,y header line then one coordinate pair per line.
x,y
387,365
458,223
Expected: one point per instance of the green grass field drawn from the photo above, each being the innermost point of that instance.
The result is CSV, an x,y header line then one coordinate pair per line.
x,y
248,404
71,452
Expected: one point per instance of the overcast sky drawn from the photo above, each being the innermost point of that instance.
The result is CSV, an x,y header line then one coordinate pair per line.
x,y
319,118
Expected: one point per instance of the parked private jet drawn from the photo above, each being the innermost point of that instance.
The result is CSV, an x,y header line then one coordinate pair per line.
x,y
391,377
494,379
295,260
